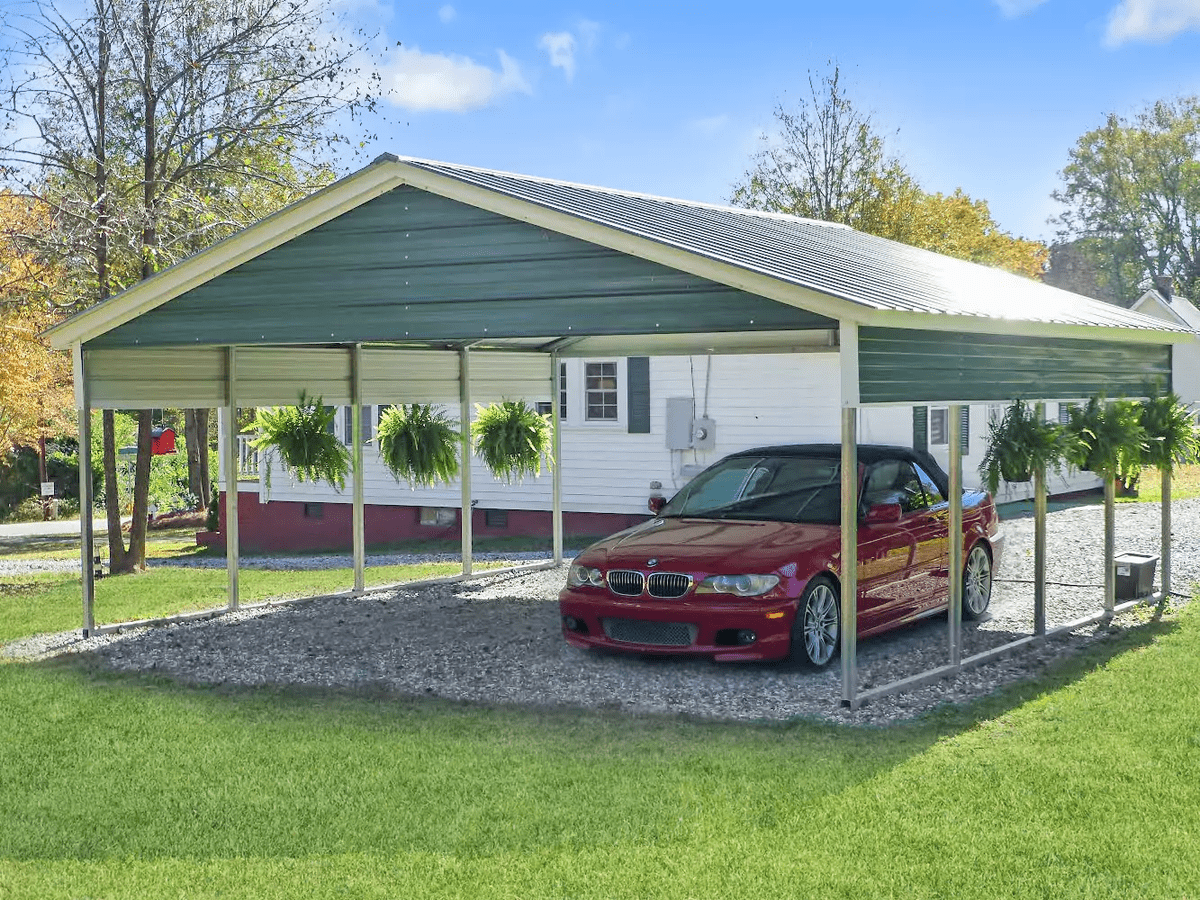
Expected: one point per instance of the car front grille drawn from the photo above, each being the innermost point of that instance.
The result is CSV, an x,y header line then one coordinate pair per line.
x,y
658,634
663,585
668,585
625,582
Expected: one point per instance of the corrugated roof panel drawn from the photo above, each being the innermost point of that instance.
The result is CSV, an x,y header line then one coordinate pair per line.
x,y
873,272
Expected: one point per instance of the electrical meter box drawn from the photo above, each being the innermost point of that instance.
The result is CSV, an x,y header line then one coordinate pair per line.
x,y
704,434
680,412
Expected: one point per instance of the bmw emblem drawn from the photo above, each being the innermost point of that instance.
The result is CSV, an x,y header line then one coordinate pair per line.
x,y
652,562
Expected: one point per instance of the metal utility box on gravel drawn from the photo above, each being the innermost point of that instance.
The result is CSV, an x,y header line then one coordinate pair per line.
x,y
1135,575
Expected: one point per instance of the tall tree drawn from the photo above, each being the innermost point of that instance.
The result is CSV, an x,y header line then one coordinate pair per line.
x,y
827,160
154,127
1131,192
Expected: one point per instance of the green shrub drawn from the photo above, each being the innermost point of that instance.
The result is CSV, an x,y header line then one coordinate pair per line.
x,y
212,518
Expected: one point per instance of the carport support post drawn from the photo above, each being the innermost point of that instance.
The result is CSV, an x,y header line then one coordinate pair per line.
x,y
1166,533
849,503
231,476
86,536
1039,539
1039,551
954,413
464,398
556,451
1110,508
357,457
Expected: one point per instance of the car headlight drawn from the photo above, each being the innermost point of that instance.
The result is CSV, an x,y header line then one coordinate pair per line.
x,y
738,585
578,576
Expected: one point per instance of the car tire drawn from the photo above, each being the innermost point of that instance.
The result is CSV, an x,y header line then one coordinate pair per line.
x,y
816,630
977,583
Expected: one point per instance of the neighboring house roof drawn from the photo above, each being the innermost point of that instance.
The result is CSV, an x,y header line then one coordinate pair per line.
x,y
826,269
1171,308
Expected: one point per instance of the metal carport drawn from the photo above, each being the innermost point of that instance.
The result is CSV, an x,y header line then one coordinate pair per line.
x,y
385,286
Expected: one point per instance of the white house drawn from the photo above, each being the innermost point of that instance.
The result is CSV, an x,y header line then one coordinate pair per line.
x,y
1162,303
632,428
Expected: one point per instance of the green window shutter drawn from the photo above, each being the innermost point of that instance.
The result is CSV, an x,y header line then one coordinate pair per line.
x,y
964,439
921,428
637,379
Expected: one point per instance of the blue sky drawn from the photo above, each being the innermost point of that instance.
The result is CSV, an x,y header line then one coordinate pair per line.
x,y
671,98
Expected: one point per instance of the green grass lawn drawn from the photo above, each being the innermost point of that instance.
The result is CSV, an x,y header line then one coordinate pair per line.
x,y
1085,786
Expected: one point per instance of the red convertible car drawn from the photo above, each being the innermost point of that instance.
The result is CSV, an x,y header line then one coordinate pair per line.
x,y
743,563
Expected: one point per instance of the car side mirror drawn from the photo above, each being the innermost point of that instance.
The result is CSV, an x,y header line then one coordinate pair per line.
x,y
655,504
884,514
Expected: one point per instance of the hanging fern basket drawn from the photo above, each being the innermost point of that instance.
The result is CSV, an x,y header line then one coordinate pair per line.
x,y
419,445
1108,439
1020,444
512,439
303,437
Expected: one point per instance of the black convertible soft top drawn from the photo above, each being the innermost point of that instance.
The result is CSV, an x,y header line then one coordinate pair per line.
x,y
867,454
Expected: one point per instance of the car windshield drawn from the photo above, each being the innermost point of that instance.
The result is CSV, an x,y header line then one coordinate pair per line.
x,y
773,488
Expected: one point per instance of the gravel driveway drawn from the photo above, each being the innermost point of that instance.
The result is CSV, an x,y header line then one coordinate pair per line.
x,y
497,640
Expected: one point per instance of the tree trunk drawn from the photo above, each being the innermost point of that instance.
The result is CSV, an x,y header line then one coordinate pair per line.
x,y
112,496
135,556
206,482
194,440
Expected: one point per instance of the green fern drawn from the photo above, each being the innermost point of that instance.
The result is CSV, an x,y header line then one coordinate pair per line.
x,y
512,439
1171,435
1019,445
419,445
1109,439
303,438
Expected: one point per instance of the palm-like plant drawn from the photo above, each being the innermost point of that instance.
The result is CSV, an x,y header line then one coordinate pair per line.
x,y
419,445
512,439
303,437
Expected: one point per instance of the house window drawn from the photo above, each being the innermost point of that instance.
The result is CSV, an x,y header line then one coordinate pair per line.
x,y
600,388
939,426
348,424
562,391
545,407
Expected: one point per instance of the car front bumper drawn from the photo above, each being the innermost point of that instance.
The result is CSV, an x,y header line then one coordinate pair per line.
x,y
724,630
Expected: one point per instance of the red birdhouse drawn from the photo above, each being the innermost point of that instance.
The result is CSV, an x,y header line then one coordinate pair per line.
x,y
163,441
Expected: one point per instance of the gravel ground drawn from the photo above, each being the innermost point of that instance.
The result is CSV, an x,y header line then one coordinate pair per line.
x,y
497,639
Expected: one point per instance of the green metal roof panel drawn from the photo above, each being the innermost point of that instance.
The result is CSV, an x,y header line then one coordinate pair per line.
x,y
897,365
410,265
872,272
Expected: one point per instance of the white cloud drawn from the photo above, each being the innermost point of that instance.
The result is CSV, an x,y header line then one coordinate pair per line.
x,y
1151,20
589,32
709,125
447,14
428,82
1013,8
560,45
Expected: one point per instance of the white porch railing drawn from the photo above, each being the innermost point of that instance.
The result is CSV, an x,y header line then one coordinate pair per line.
x,y
248,459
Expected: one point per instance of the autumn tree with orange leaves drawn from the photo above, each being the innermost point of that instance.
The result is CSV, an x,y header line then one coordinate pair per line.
x,y
35,381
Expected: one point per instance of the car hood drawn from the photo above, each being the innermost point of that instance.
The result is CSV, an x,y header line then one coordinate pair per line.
x,y
692,545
